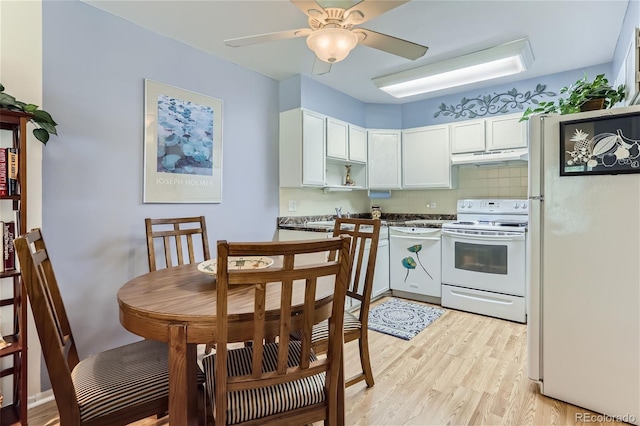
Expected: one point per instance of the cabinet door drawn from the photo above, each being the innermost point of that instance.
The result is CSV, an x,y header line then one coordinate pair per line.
x,y
337,139
383,163
467,136
313,137
426,159
357,144
505,132
381,273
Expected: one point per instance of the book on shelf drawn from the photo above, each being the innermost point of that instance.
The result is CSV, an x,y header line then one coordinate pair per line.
x,y
12,171
4,183
8,251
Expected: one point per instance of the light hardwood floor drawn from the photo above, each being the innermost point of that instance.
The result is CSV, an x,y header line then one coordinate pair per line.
x,y
464,369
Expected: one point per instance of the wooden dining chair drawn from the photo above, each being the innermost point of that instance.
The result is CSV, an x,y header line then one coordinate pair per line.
x,y
114,387
176,237
281,382
364,235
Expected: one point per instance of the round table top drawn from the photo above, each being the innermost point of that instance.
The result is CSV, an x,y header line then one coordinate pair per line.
x,y
182,294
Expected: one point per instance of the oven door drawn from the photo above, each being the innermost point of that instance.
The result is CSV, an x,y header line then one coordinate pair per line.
x,y
484,260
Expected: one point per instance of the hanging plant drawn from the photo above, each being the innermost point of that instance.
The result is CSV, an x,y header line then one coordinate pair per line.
x,y
45,125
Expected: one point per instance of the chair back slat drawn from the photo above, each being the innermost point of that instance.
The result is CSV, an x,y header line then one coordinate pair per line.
x,y
365,235
176,237
297,282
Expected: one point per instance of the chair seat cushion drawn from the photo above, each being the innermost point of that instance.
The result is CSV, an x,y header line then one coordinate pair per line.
x,y
253,404
122,377
320,331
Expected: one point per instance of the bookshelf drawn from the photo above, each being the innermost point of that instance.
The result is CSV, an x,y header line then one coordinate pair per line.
x,y
13,308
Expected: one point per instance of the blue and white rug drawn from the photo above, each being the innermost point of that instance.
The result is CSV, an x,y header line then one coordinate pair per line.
x,y
402,318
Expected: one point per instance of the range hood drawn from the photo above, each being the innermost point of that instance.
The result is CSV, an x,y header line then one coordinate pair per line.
x,y
488,157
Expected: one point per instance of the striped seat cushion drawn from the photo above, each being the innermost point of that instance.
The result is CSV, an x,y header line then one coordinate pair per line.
x,y
256,403
122,377
320,331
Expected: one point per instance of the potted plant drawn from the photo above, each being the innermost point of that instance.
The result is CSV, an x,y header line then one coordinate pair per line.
x,y
45,125
583,95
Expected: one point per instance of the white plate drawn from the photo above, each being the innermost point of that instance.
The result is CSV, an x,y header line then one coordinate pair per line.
x,y
246,262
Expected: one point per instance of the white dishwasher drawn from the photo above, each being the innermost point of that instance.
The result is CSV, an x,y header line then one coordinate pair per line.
x,y
414,263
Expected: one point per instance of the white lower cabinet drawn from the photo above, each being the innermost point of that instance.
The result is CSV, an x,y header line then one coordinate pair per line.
x,y
381,275
426,158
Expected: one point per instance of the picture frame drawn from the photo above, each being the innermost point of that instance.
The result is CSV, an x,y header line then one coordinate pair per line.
x,y
182,146
604,145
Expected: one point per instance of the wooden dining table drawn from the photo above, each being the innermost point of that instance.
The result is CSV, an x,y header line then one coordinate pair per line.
x,y
178,305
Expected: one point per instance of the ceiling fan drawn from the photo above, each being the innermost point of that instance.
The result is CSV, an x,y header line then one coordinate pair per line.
x,y
332,33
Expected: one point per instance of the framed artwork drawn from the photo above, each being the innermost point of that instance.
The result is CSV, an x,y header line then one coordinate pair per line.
x,y
605,145
182,146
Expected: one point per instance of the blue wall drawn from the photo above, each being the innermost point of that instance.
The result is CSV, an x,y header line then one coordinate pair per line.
x,y
93,216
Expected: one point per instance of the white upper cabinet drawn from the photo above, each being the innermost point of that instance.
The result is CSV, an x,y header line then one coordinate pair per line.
x,y
467,136
426,158
357,144
506,132
302,148
337,139
490,134
315,151
383,165
346,141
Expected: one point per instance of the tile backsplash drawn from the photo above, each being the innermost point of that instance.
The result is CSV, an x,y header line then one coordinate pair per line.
x,y
473,182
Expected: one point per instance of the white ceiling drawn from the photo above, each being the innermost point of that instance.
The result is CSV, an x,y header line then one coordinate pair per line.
x,y
564,35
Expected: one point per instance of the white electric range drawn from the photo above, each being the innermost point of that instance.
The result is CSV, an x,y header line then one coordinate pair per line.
x,y
484,258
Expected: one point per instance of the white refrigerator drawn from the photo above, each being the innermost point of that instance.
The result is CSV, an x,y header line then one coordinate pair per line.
x,y
584,270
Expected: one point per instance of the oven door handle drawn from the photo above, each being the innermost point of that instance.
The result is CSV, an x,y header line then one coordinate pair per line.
x,y
484,237
413,238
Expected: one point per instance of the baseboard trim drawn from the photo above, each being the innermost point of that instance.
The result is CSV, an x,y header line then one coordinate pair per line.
x,y
40,398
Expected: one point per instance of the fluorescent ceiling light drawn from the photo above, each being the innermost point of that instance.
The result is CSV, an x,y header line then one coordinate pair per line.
x,y
499,61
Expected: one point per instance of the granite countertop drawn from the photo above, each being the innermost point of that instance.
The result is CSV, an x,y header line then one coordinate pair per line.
x,y
320,223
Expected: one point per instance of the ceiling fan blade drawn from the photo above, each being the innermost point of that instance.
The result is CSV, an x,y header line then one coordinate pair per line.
x,y
372,8
320,67
261,38
390,44
306,6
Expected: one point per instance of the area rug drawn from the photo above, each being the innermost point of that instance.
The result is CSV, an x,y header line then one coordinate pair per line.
x,y
401,318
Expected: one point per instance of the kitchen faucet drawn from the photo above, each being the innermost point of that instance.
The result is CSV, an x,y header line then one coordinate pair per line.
x,y
338,211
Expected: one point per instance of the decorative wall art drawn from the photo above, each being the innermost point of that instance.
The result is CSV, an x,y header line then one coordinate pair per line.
x,y
182,146
409,263
498,103
600,146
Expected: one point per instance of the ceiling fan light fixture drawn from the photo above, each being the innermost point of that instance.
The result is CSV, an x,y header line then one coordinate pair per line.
x,y
332,44
498,61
